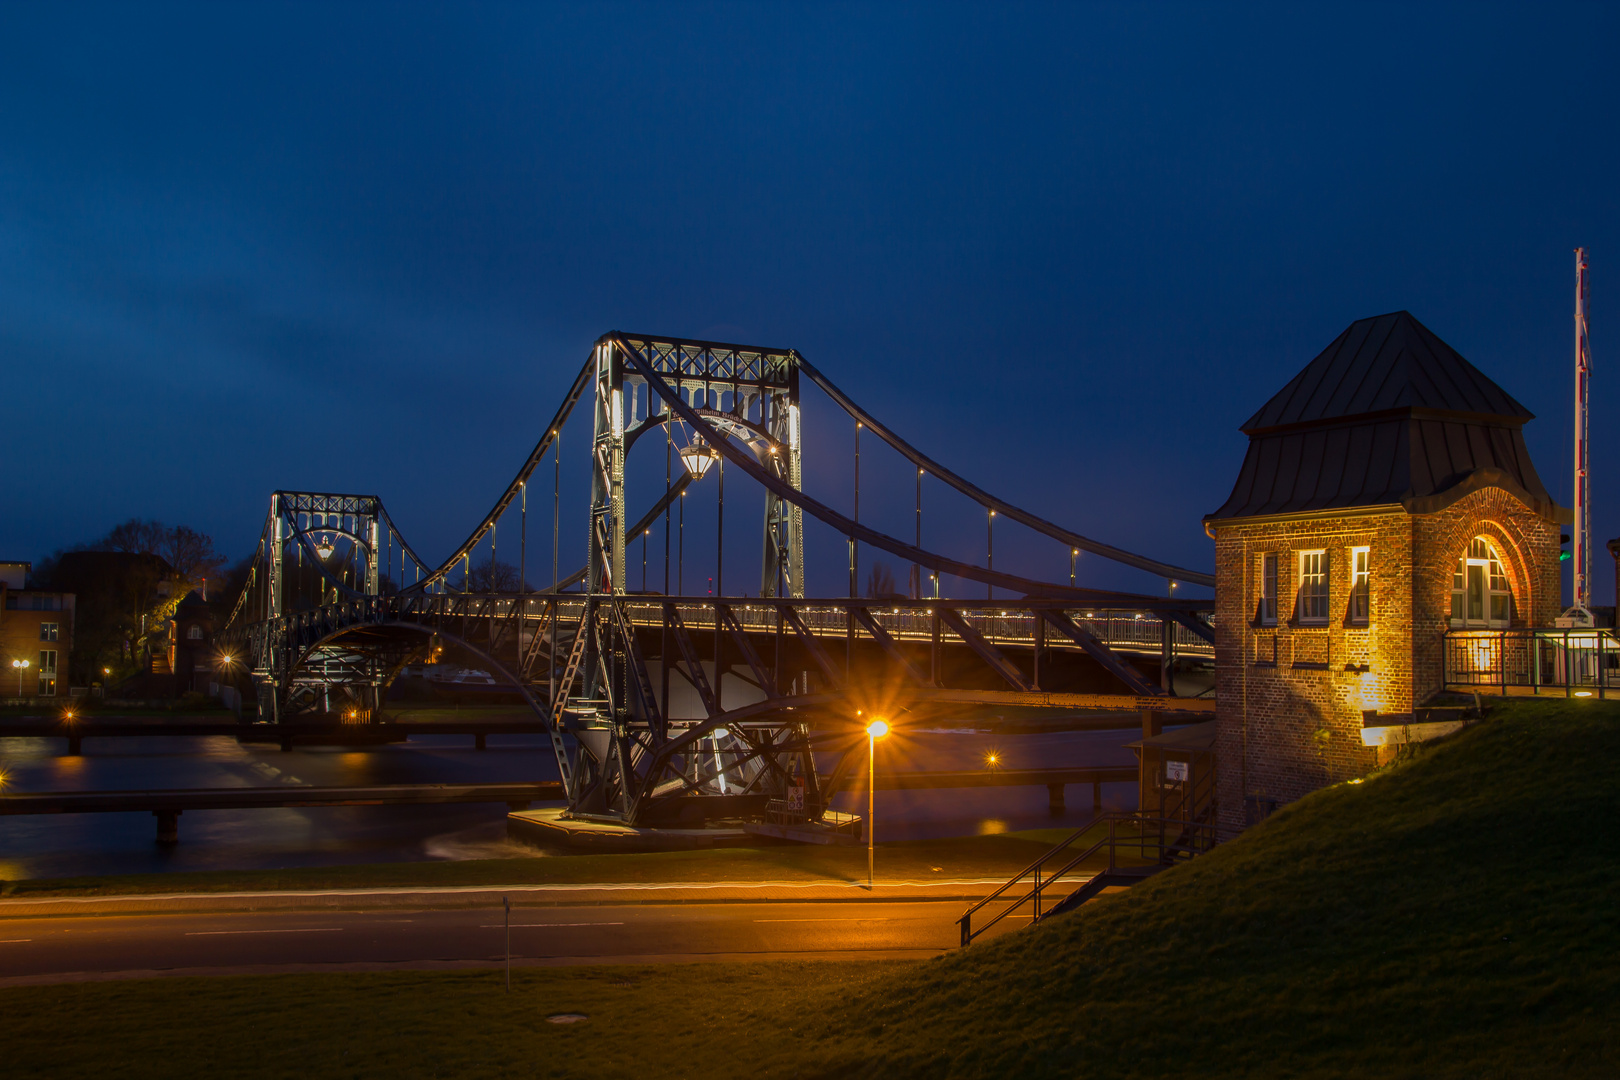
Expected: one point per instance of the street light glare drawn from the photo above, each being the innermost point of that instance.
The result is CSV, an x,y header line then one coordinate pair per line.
x,y
877,729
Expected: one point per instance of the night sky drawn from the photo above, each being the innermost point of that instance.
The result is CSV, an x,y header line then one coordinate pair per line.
x,y
1066,249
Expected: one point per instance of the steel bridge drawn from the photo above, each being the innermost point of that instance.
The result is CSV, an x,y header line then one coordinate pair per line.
x,y
681,710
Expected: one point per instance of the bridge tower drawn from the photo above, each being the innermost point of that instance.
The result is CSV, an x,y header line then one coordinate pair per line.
x,y
751,395
310,542
605,566
782,565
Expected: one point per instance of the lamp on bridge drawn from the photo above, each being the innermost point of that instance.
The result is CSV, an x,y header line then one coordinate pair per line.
x,y
324,548
697,457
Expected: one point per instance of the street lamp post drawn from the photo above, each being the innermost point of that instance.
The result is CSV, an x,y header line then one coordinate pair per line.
x,y
21,666
874,731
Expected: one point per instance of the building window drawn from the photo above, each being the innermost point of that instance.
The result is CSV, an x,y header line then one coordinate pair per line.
x,y
1360,584
47,631
47,686
1268,589
1480,594
195,633
1313,586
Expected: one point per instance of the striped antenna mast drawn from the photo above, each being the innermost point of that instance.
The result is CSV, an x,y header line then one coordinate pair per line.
x,y
1580,613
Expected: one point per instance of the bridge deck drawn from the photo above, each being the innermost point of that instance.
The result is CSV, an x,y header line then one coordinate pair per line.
x,y
1138,632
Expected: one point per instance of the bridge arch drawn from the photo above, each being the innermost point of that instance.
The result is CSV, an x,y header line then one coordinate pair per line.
x,y
335,636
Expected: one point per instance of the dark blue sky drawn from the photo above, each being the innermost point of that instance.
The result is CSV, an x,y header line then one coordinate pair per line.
x,y
1067,249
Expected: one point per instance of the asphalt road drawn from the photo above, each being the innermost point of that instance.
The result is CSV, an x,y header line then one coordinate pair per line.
x,y
36,950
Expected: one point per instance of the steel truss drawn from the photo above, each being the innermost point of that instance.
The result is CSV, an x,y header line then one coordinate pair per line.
x,y
325,629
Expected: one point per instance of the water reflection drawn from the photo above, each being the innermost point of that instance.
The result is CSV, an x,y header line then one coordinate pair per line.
x,y
75,844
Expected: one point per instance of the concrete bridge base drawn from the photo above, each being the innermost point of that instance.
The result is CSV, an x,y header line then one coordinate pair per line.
x,y
548,828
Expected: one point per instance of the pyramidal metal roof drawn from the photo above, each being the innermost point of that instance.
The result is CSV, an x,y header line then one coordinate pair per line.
x,y
1386,415
1386,362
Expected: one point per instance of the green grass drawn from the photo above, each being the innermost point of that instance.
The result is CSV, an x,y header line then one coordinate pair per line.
x,y
915,860
1454,916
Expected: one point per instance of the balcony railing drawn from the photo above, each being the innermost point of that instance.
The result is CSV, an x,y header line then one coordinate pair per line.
x,y
1573,663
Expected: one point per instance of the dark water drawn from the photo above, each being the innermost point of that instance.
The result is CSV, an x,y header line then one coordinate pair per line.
x,y
73,844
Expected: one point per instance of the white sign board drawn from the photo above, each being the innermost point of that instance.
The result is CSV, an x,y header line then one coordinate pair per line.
x,y
1175,772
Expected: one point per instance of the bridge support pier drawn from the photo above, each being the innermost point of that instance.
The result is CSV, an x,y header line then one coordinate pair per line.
x,y
168,826
1054,798
1096,796
75,745
478,743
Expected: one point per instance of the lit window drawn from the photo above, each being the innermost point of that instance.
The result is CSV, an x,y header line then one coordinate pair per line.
x,y
1360,584
47,662
47,631
1313,586
47,686
1480,593
195,633
1268,589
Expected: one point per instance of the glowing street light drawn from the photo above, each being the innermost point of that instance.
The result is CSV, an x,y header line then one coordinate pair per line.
x,y
874,731
21,666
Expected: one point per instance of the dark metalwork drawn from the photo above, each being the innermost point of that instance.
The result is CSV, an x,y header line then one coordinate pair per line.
x,y
1152,843
1575,662
327,644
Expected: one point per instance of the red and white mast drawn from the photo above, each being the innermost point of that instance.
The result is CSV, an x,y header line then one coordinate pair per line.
x,y
1580,612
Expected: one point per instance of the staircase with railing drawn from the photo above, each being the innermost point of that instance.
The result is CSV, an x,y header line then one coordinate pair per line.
x,y
1147,845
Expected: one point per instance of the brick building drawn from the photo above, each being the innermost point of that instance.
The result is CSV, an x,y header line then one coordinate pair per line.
x,y
1387,496
192,658
36,628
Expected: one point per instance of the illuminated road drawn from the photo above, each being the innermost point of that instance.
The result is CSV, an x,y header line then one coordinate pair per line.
x,y
124,946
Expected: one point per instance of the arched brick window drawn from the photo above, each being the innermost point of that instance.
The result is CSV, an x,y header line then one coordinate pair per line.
x,y
1480,594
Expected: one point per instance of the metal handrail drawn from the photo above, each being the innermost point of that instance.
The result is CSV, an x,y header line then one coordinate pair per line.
x,y
1575,661
1112,842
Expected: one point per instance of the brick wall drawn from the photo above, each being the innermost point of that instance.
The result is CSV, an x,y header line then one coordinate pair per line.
x,y
1289,697
20,639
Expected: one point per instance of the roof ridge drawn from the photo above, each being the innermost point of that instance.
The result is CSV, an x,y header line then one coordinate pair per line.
x,y
1383,362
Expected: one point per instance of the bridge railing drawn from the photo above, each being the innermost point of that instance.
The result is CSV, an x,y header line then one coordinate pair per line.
x,y
1533,660
1138,631
1003,624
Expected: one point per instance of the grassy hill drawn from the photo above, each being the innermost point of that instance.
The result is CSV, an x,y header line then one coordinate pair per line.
x,y
1456,915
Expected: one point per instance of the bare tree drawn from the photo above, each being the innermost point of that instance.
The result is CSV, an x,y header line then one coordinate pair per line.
x,y
135,536
880,582
191,554
495,577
